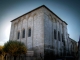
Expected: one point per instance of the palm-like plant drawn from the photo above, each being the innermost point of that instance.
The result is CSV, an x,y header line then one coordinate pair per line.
x,y
14,48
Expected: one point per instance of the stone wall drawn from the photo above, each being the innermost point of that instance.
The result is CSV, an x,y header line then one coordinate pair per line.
x,y
51,22
33,20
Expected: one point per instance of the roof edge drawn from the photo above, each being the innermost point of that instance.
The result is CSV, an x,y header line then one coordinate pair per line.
x,y
56,15
36,9
72,39
28,12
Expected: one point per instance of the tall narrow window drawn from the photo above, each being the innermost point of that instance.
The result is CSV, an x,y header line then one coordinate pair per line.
x,y
18,35
54,34
23,33
62,38
29,32
58,35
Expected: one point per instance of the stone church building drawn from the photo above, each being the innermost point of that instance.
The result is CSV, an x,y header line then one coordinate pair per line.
x,y
42,31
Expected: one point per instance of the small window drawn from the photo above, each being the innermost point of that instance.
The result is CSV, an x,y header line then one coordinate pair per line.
x,y
58,35
18,35
23,33
54,34
29,32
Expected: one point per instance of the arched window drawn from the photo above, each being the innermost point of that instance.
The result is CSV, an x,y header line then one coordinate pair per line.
x,y
54,34
23,33
58,35
18,35
29,32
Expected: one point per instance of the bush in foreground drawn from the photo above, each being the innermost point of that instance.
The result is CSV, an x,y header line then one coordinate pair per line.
x,y
14,48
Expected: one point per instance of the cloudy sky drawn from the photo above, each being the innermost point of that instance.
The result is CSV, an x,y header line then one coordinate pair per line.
x,y
67,10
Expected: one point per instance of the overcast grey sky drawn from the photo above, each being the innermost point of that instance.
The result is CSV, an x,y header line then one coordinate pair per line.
x,y
67,10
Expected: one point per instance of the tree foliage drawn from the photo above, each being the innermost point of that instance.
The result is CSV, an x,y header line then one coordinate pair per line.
x,y
14,48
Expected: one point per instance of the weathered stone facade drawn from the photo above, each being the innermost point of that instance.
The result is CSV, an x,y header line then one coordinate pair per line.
x,y
42,22
33,20
72,47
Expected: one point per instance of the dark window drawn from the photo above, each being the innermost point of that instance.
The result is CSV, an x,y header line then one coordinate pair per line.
x,y
62,38
58,35
23,33
29,32
18,35
54,34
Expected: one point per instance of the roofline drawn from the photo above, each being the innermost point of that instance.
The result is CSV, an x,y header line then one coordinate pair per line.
x,y
72,40
27,13
36,9
55,15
